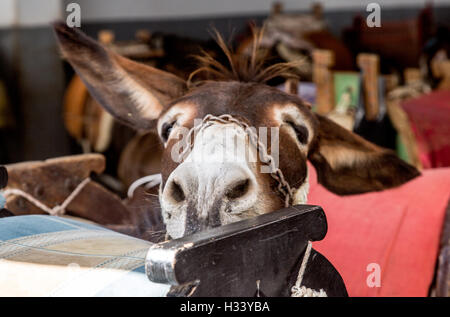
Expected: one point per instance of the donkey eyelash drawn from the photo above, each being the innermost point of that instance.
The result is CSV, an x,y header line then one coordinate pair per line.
x,y
166,130
300,131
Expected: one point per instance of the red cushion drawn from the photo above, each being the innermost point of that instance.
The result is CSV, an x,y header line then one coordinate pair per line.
x,y
429,116
399,229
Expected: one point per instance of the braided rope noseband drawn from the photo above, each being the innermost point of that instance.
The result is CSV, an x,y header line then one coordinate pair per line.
x,y
283,186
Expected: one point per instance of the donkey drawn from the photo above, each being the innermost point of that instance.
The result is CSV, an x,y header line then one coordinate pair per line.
x,y
195,195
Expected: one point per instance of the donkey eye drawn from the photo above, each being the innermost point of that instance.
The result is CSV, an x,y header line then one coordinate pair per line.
x,y
166,129
300,131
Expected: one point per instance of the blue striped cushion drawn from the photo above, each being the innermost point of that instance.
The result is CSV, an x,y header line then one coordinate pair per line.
x,y
53,256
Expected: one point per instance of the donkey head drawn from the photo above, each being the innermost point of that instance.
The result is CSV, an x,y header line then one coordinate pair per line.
x,y
198,192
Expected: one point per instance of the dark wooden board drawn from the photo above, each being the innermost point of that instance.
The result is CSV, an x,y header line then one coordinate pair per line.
x,y
229,260
5,213
3,177
443,266
3,182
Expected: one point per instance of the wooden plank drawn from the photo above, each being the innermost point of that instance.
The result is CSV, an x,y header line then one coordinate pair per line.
x,y
443,269
317,10
412,75
229,260
370,66
3,177
291,86
52,181
277,8
443,273
323,78
445,71
106,37
3,182
5,213
391,82
74,106
441,69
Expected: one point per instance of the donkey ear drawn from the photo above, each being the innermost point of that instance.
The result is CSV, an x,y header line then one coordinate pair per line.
x,y
348,164
132,92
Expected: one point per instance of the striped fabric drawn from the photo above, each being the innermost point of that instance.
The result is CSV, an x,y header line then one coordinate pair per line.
x,y
52,256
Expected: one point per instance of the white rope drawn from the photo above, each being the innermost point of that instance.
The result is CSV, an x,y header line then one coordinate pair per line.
x,y
258,293
150,180
308,292
55,211
301,291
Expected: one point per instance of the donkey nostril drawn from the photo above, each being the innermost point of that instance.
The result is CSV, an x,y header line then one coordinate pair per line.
x,y
239,189
177,192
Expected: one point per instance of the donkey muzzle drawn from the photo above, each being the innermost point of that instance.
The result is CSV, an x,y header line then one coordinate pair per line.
x,y
208,195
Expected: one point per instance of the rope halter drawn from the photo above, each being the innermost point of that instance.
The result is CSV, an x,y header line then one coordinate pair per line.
x,y
283,186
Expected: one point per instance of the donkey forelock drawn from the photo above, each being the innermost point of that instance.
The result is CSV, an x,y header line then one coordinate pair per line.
x,y
248,68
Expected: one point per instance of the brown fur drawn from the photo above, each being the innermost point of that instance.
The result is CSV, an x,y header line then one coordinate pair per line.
x,y
348,164
141,156
104,73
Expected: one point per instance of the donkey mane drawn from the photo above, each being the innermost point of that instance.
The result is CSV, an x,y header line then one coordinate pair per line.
x,y
248,68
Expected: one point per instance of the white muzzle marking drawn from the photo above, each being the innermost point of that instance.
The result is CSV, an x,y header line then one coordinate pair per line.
x,y
219,162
